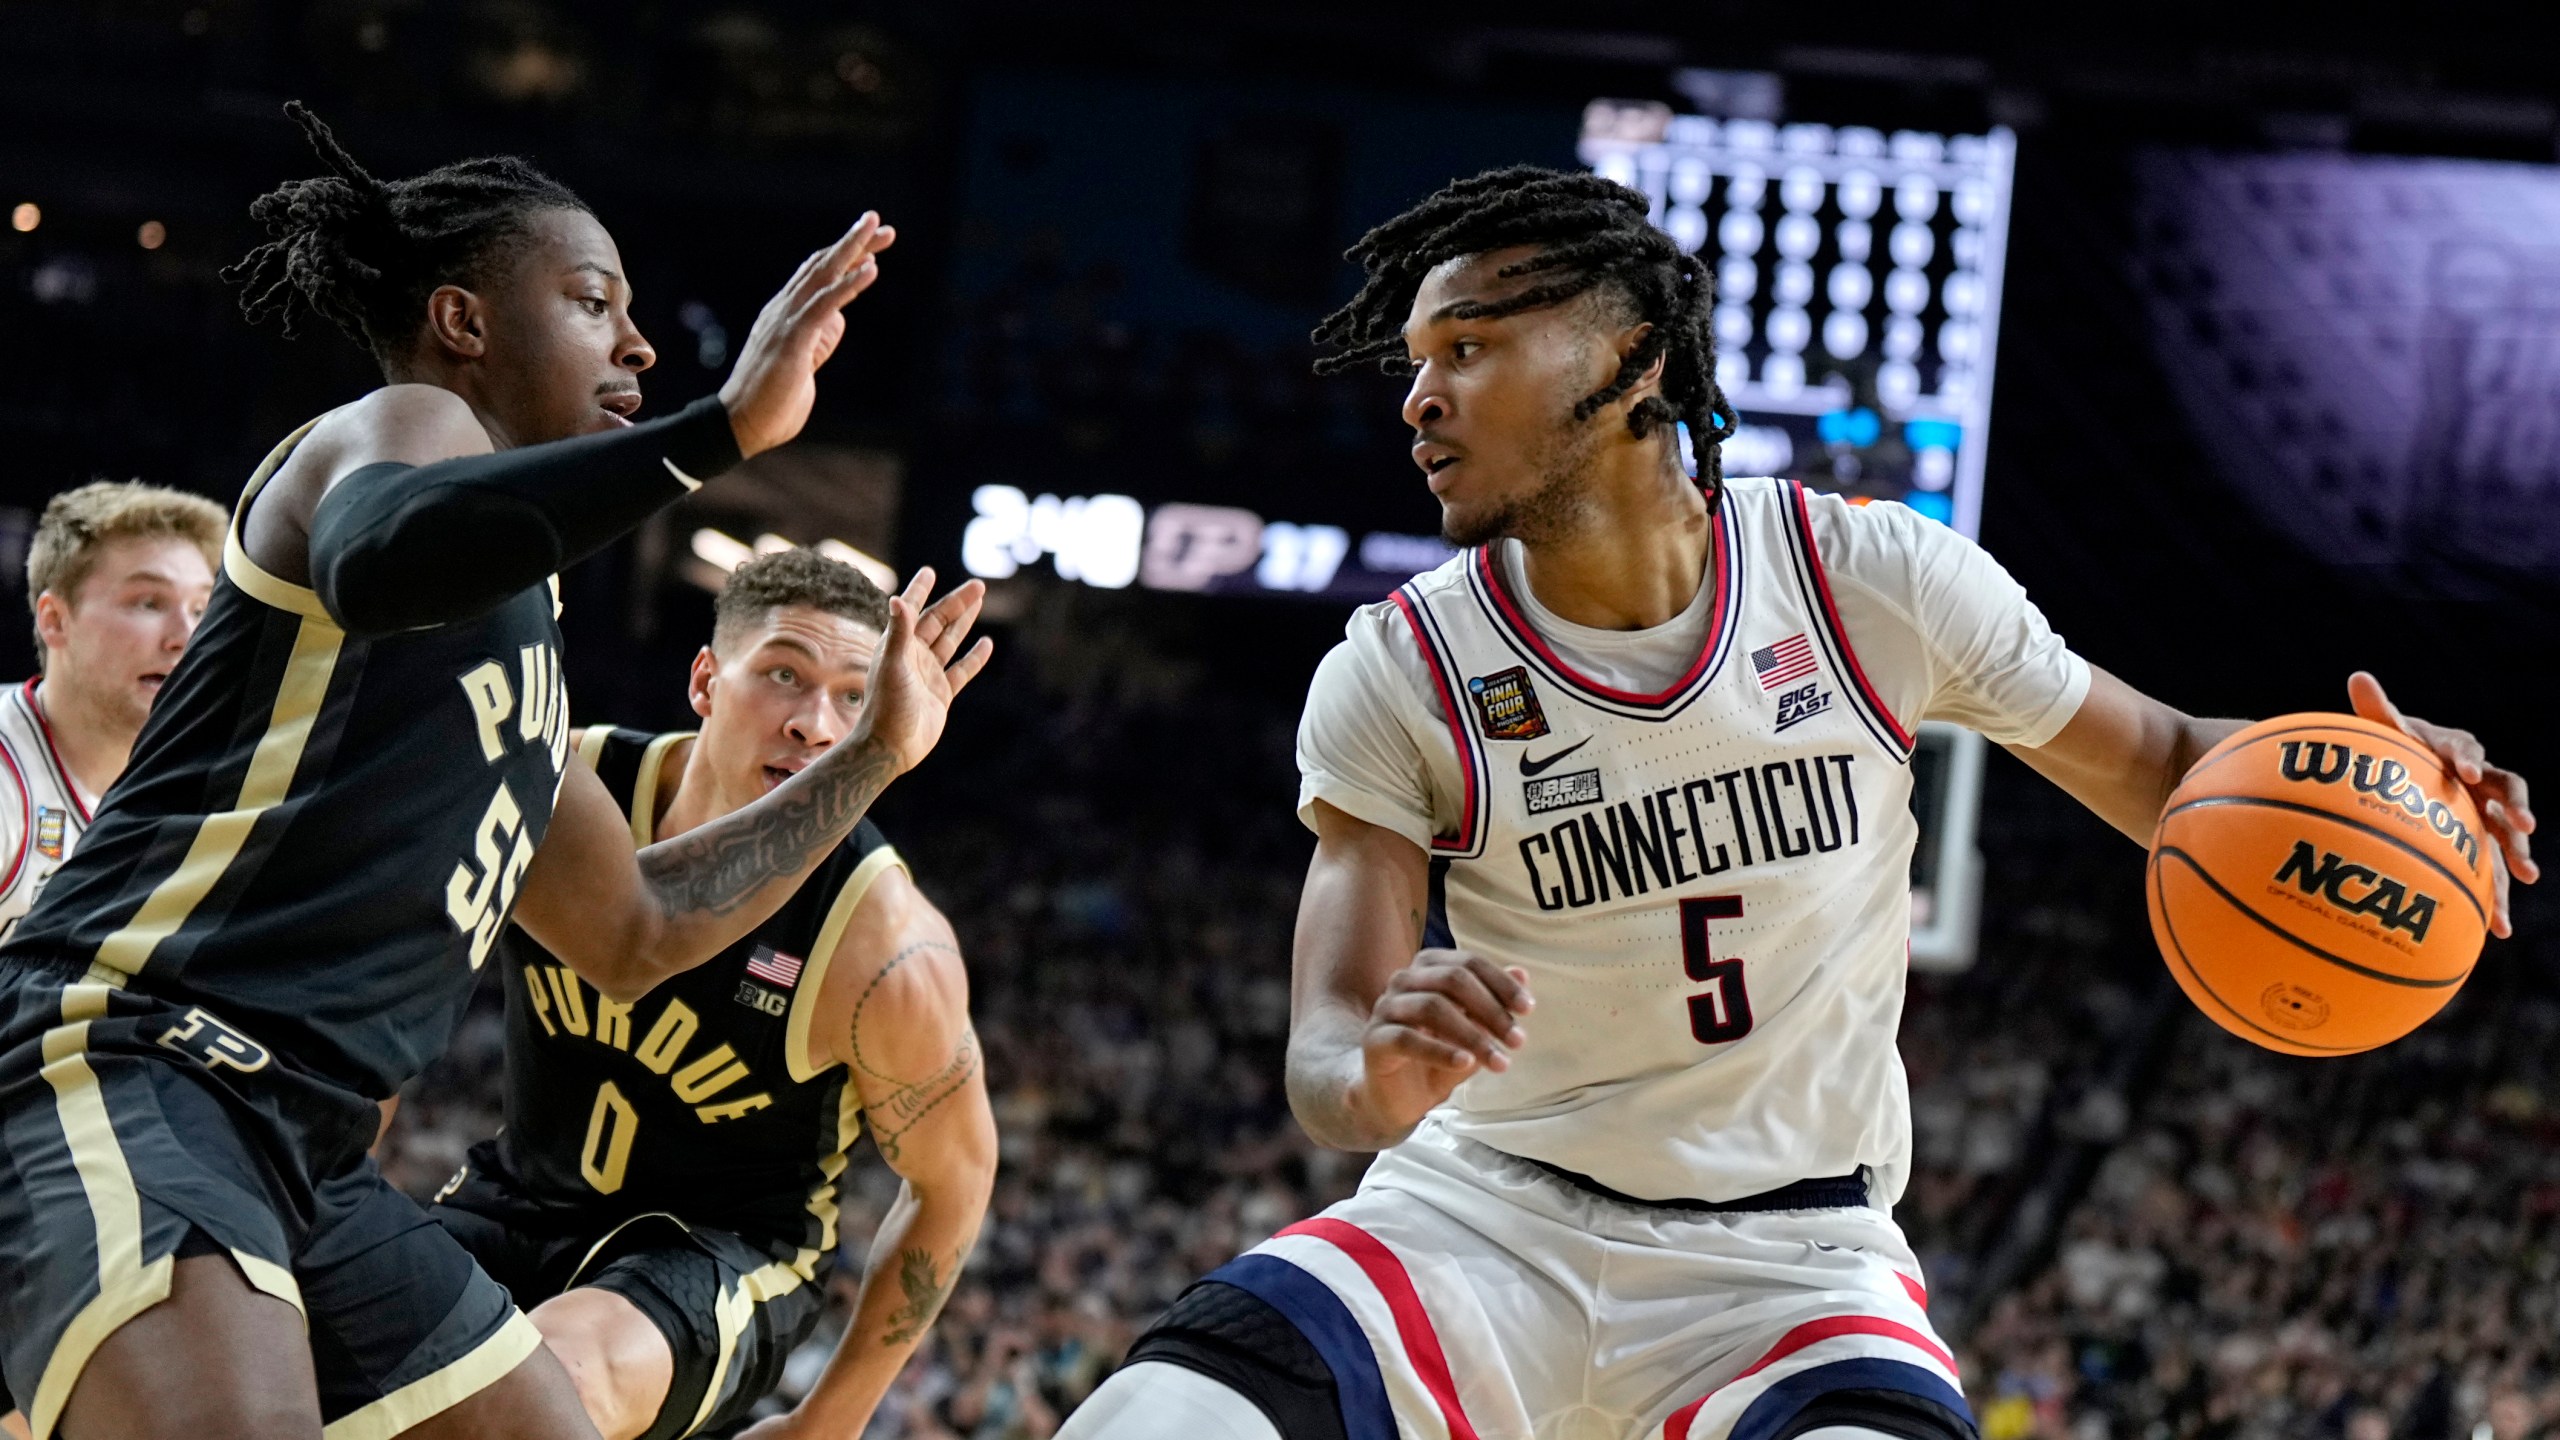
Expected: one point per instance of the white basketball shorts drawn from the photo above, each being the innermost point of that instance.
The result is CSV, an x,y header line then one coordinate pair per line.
x,y
1465,1294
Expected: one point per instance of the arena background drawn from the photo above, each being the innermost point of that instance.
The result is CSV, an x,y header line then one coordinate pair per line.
x,y
1117,224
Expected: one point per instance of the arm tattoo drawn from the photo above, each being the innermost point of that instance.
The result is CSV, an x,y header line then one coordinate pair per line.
x,y
718,867
897,1112
925,1291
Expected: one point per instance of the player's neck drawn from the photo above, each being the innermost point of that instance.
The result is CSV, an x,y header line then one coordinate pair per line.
x,y
93,739
694,797
1633,557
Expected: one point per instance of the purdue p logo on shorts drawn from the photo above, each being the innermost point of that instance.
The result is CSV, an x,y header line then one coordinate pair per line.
x,y
216,1044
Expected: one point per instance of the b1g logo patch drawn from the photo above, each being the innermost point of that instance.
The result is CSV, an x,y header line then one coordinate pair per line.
x,y
1507,706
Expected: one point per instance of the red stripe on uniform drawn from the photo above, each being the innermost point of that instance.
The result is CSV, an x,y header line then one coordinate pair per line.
x,y
1413,1323
1918,1292
1457,727
1840,632
1814,1332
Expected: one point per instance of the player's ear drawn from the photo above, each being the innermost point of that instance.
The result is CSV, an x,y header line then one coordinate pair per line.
x,y
457,322
53,620
697,687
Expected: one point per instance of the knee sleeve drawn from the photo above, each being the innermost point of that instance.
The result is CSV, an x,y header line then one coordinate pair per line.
x,y
1234,1337
1157,1400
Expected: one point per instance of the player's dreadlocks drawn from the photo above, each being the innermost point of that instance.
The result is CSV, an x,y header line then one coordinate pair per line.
x,y
365,253
1592,233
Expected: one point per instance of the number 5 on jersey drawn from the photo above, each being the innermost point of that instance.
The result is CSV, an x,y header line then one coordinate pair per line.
x,y
1721,1012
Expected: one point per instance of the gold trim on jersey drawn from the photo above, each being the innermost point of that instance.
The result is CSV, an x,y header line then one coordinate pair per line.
x,y
644,786
591,743
813,979
126,1285
220,836
255,580
731,1312
421,1400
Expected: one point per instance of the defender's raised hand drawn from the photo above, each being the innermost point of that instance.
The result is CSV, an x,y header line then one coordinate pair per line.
x,y
770,393
913,673
2500,794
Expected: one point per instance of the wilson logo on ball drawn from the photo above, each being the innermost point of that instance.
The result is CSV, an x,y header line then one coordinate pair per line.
x,y
2325,762
2328,875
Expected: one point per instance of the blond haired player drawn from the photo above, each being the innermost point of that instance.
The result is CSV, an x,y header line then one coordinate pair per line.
x,y
118,574
1641,753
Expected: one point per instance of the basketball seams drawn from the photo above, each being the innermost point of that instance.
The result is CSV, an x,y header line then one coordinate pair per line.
x,y
2167,925
2236,903
2461,886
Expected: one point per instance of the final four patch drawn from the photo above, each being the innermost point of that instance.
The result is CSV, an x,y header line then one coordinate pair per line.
x,y
49,831
1507,706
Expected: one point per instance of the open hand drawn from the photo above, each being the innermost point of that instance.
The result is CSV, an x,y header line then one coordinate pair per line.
x,y
775,384
914,675
2500,794
1441,1019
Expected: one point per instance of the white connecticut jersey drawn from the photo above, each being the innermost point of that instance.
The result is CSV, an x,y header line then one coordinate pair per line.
x,y
1703,865
43,811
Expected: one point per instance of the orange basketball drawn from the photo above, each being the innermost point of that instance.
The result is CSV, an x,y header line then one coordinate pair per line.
x,y
2320,884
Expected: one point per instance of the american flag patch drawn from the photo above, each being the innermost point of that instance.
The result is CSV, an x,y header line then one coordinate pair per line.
x,y
772,965
1789,659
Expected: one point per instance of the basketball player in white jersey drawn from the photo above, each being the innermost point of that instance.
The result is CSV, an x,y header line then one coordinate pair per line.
x,y
117,574
1604,938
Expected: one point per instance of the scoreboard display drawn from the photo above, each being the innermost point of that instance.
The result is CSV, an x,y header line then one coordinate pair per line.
x,y
1857,283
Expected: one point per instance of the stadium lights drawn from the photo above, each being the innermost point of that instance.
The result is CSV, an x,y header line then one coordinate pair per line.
x,y
26,217
725,552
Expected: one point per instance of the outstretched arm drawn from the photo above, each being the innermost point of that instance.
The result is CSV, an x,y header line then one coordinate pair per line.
x,y
2124,752
897,1004
626,919
400,514
1380,1030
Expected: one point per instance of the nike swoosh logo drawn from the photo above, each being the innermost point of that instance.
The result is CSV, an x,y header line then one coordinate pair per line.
x,y
1537,767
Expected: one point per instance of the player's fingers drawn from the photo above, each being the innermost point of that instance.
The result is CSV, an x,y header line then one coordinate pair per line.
x,y
1407,1043
1509,987
1444,1018
2460,750
919,587
2512,792
2513,842
2501,922
2364,692
883,238
1467,996
839,293
949,619
966,668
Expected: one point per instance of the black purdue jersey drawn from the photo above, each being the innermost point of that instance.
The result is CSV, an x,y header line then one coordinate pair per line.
x,y
320,836
688,1100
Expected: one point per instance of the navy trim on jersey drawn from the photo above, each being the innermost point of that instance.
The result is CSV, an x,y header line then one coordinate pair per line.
x,y
1473,767
1436,934
1511,621
1806,560
1768,1415
1331,1328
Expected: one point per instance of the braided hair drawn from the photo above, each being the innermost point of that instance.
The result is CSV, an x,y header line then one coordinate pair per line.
x,y
365,253
1592,233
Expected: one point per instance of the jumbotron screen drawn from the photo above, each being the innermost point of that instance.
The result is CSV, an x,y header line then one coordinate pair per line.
x,y
1857,287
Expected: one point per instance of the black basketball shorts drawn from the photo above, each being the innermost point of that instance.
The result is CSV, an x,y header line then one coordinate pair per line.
x,y
731,1313
135,1131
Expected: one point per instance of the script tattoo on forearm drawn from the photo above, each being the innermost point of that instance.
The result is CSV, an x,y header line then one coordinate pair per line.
x,y
714,869
895,1113
925,1291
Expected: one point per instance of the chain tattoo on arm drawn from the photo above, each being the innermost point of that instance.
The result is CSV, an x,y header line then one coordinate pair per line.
x,y
897,1112
716,868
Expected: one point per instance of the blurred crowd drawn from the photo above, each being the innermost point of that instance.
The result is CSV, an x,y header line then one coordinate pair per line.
x,y
2360,1248
2134,1226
